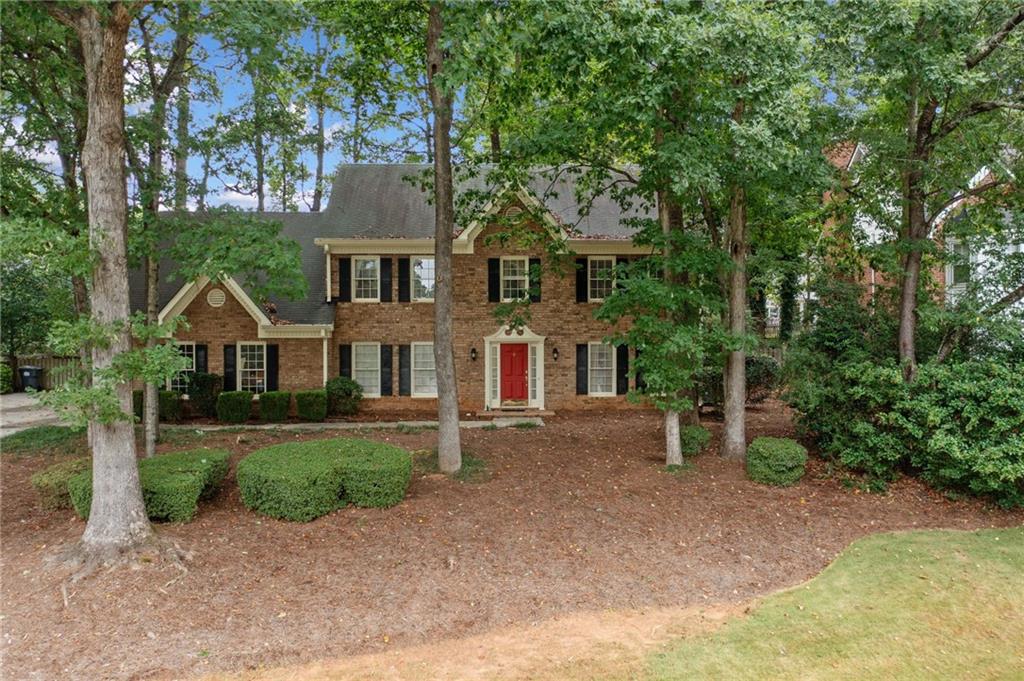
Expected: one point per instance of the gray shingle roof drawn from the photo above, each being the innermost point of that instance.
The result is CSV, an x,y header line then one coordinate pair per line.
x,y
386,201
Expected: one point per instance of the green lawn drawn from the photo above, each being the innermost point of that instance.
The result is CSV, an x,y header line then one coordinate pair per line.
x,y
919,605
44,439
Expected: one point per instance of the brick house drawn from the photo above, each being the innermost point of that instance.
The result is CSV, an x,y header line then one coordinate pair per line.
x,y
369,314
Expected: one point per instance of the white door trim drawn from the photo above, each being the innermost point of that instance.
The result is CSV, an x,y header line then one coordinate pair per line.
x,y
492,365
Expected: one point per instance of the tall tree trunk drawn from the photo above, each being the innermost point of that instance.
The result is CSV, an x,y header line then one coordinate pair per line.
x,y
449,447
117,516
184,110
495,144
734,443
673,445
318,181
912,258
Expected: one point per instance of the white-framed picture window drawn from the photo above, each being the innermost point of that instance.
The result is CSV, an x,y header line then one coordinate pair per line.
x,y
252,366
515,278
424,376
600,270
180,382
366,278
601,357
366,367
422,279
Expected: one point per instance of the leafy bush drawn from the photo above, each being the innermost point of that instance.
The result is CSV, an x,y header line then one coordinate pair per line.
x,y
274,405
311,405
343,396
51,484
6,379
203,389
776,461
762,379
170,406
305,480
694,439
234,406
959,426
172,484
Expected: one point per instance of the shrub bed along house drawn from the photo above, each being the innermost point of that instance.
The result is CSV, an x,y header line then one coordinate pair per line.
x,y
172,484
51,483
234,406
343,396
203,389
170,406
694,439
274,405
305,480
776,461
311,405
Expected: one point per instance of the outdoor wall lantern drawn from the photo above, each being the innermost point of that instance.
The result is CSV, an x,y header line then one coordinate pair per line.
x,y
554,354
472,354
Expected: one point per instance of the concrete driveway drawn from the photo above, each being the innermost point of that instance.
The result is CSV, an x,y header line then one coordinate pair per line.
x,y
19,411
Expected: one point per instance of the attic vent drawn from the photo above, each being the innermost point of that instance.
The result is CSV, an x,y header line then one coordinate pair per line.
x,y
512,211
215,297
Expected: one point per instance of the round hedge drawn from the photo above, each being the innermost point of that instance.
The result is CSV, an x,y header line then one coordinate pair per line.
x,y
305,480
776,461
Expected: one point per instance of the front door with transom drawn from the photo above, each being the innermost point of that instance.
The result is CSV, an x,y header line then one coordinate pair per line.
x,y
514,372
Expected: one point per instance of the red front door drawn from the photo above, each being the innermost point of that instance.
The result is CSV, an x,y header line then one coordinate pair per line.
x,y
514,367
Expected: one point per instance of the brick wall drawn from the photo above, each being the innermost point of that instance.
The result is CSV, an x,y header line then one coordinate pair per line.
x,y
558,317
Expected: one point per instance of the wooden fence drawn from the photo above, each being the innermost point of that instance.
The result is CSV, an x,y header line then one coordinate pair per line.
x,y
56,370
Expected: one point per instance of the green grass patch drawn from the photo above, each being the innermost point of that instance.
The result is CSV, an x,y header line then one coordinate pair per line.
x,y
526,425
490,426
409,429
934,604
45,440
181,437
474,469
679,468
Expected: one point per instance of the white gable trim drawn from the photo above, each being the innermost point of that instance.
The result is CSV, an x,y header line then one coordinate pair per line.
x,y
496,204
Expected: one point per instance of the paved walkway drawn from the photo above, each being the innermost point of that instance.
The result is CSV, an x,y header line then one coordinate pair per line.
x,y
501,422
19,411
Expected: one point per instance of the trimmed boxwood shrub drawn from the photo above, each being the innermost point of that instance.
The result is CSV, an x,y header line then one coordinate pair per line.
x,y
311,405
305,480
6,379
343,396
234,406
172,484
776,461
274,405
694,439
51,483
203,389
170,406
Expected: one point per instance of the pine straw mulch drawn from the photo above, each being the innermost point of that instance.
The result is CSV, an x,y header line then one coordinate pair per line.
x,y
575,517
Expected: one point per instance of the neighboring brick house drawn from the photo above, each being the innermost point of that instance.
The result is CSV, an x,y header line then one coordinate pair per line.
x,y
369,313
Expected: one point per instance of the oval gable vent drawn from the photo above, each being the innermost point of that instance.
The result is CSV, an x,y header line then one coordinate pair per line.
x,y
512,211
215,297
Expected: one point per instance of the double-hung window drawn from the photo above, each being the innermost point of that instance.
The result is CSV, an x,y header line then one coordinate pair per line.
x,y
366,279
515,278
366,367
601,358
961,270
599,277
423,279
179,383
424,378
252,367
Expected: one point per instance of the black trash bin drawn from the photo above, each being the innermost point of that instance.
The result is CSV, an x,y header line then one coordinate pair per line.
x,y
31,377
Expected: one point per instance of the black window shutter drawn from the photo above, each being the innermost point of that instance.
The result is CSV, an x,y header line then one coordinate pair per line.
x,y
620,262
229,368
385,280
582,370
271,367
404,281
621,370
345,361
581,280
494,280
202,362
404,370
385,370
535,274
639,378
345,279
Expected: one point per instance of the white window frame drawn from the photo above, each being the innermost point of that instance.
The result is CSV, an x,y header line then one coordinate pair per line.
x,y
354,369
170,381
239,369
526,276
412,278
954,245
412,371
355,270
590,369
590,276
